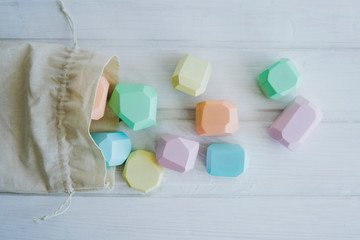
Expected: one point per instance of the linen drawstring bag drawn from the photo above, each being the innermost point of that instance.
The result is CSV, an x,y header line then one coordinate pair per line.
x,y
47,93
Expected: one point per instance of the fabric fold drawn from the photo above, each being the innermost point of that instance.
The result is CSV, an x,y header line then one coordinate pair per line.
x,y
47,94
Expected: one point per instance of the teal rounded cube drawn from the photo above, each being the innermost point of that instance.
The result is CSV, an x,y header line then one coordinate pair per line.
x,y
226,160
115,146
280,79
136,105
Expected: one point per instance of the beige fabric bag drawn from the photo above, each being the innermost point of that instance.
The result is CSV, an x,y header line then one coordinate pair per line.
x,y
47,93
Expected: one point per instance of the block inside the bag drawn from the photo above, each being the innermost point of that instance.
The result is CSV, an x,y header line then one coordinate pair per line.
x,y
216,118
191,75
295,124
100,99
142,172
177,153
136,105
115,146
226,160
280,79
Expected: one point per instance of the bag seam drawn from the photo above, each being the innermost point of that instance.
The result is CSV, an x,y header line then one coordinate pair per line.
x,y
63,96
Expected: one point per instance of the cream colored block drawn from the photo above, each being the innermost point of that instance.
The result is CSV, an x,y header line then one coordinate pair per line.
x,y
191,75
142,172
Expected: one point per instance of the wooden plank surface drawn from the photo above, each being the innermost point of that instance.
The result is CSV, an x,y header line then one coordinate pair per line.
x,y
298,21
278,218
314,170
310,194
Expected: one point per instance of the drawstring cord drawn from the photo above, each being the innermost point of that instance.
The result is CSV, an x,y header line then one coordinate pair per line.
x,y
67,203
71,23
61,209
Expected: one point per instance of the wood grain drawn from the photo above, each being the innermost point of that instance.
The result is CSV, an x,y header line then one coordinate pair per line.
x,y
184,218
309,194
318,22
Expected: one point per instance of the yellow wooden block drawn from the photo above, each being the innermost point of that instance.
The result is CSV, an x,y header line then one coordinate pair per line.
x,y
191,75
142,172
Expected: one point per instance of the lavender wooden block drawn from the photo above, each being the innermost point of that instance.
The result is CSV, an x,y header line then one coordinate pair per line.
x,y
295,123
177,153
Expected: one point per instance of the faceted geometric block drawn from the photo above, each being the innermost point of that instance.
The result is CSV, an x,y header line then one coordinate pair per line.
x,y
135,105
100,99
191,75
226,160
216,118
177,153
142,172
279,79
115,146
295,124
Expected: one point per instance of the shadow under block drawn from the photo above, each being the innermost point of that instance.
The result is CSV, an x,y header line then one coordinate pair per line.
x,y
177,153
115,146
295,124
280,79
191,75
226,160
100,99
136,105
142,172
216,118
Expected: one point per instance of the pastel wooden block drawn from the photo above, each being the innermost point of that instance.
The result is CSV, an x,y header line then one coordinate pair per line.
x,y
142,172
100,99
136,105
216,118
115,146
295,124
177,153
226,160
191,75
280,79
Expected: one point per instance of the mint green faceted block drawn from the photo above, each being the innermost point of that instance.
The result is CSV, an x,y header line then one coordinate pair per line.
x,y
280,79
136,105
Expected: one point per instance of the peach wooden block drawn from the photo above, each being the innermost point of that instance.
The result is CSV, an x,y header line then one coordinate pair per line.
x,y
216,118
100,99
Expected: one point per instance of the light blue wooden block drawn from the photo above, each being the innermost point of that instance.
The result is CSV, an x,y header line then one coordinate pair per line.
x,y
226,160
116,146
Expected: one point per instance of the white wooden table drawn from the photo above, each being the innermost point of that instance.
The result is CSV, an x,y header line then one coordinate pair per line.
x,y
313,193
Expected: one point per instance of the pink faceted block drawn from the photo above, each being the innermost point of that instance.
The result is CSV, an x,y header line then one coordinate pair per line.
x,y
295,123
177,153
100,99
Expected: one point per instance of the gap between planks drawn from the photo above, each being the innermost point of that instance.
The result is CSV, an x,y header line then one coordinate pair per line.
x,y
203,44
